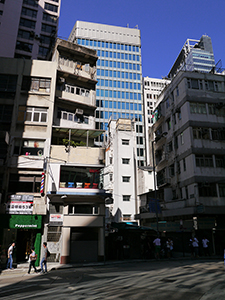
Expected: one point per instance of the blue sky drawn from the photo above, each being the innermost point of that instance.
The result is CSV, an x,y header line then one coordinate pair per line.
x,y
165,25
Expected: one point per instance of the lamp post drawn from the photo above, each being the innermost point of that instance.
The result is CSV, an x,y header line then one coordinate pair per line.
x,y
156,207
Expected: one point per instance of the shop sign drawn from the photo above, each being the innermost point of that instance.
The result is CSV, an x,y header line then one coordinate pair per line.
x,y
56,219
19,207
25,222
21,197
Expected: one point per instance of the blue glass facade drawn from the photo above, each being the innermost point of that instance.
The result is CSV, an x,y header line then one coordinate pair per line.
x,y
119,87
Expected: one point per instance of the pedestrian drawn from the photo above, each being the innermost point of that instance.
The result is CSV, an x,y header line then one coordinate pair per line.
x,y
205,244
169,247
195,243
157,243
10,257
44,258
191,246
33,258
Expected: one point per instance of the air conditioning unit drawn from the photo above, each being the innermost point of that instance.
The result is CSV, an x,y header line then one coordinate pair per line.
x,y
79,111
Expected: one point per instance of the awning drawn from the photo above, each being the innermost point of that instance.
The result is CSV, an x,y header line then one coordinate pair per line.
x,y
92,133
125,226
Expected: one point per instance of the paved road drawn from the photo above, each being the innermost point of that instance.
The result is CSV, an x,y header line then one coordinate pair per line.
x,y
175,280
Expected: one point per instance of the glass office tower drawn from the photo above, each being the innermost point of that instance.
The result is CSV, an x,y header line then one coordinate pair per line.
x,y
119,75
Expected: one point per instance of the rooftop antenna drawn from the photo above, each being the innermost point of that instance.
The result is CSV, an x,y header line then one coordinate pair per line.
x,y
136,26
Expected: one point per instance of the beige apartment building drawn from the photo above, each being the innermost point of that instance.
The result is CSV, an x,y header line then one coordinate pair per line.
x,y
52,188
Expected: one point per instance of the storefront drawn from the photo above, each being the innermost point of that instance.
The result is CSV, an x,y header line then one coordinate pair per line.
x,y
25,231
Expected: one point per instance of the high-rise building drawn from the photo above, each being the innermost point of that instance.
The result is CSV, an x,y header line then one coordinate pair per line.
x,y
195,55
152,87
119,75
28,28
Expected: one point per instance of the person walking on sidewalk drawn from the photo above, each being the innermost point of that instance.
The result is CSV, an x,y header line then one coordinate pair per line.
x,y
195,246
205,244
44,258
157,244
33,258
10,257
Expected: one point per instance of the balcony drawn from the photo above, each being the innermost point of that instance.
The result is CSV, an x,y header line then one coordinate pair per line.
x,y
79,155
76,95
73,120
77,68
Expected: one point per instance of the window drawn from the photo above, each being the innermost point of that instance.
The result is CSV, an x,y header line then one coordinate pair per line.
x,y
32,114
110,177
31,2
184,164
222,190
7,85
43,51
168,124
110,160
49,18
5,113
126,197
171,170
25,183
126,217
197,108
125,178
220,161
86,209
125,142
24,46
45,39
36,84
27,23
48,28
218,134
29,147
125,161
80,177
29,12
182,138
25,34
201,133
51,7
204,161
170,146
207,189
195,84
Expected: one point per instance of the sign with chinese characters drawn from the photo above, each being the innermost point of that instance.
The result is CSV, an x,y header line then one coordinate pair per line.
x,y
56,219
19,207
21,197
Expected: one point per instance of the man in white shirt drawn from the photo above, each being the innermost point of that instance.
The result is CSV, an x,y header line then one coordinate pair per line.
x,y
10,257
157,243
195,246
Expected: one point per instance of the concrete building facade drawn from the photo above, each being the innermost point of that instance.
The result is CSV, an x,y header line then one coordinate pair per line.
x,y
120,173
152,87
189,156
119,75
28,28
52,183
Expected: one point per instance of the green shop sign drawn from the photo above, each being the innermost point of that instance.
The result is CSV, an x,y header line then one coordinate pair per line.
x,y
25,222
